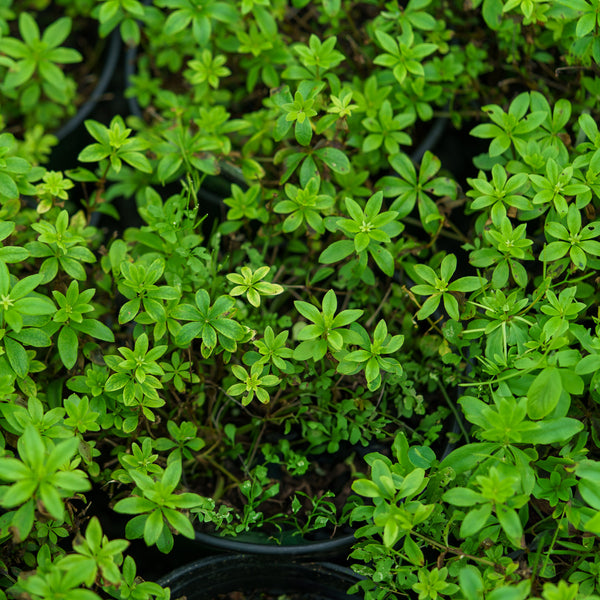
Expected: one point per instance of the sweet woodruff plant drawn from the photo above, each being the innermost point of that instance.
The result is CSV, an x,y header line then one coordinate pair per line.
x,y
338,273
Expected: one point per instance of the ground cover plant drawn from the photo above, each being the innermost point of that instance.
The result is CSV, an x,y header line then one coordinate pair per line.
x,y
264,306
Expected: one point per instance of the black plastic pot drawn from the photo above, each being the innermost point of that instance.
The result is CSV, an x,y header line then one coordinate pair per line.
x,y
252,575
72,135
319,549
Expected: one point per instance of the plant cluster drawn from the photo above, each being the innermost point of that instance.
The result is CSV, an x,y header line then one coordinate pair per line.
x,y
301,283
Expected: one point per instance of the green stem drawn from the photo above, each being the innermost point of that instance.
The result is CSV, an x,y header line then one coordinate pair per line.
x,y
221,468
454,410
552,544
458,552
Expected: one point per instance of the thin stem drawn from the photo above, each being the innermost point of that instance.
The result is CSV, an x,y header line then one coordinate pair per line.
x,y
458,552
553,542
454,410
378,309
221,468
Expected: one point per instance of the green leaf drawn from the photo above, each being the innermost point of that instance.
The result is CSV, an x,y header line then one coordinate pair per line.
x,y
510,522
461,496
137,160
551,431
413,552
93,153
180,523
134,505
98,131
544,393
384,260
13,254
471,582
25,286
475,520
17,357
337,251
303,132
68,345
429,307
466,457
366,488
56,33
171,476
31,446
95,329
8,188
28,29
335,159
153,527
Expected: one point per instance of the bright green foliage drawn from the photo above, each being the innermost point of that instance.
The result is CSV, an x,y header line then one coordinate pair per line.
x,y
71,308
500,194
249,283
369,230
317,57
304,206
79,415
17,304
327,331
133,587
394,489
509,129
498,491
48,423
42,473
53,582
508,248
342,105
179,372
180,147
123,13
184,442
438,287
444,318
576,241
206,69
139,287
13,172
95,556
410,189
201,15
35,71
555,489
272,350
433,583
297,111
60,246
137,375
404,55
158,508
54,188
370,356
10,254
253,383
503,323
556,184
114,143
208,323
245,204
386,129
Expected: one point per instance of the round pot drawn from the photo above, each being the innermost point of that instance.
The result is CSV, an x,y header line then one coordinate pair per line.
x,y
207,578
64,155
111,57
275,548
